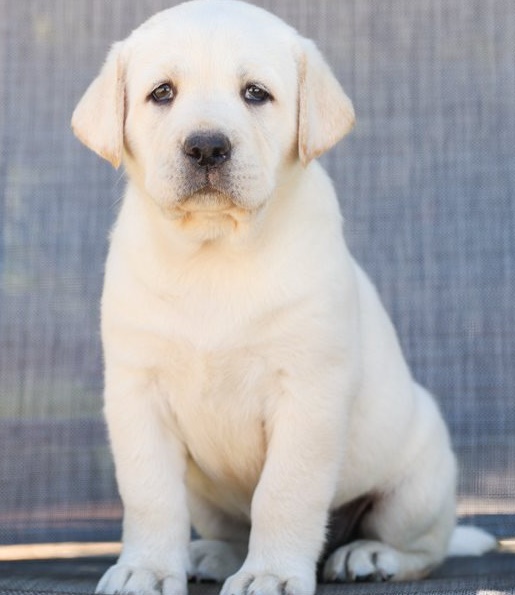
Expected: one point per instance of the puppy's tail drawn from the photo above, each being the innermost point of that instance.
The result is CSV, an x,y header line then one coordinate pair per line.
x,y
471,541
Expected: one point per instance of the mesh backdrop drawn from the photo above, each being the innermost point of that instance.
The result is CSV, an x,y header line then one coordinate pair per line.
x,y
426,182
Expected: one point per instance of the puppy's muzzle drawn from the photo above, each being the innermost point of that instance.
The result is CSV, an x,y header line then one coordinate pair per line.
x,y
207,149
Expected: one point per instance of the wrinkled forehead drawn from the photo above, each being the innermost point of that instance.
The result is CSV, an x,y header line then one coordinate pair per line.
x,y
213,47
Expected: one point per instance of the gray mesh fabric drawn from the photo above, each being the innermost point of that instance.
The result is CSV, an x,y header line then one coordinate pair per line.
x,y
426,180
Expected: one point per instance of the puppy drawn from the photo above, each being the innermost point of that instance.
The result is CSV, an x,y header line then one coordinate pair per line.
x,y
254,385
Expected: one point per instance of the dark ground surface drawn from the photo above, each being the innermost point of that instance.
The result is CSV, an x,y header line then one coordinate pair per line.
x,y
490,574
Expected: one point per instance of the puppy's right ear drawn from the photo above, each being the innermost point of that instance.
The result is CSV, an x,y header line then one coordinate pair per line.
x,y
98,119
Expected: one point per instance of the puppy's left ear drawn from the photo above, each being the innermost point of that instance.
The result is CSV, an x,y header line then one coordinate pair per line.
x,y
98,119
325,112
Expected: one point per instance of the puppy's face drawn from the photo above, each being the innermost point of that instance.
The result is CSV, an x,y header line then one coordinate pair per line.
x,y
208,104
211,109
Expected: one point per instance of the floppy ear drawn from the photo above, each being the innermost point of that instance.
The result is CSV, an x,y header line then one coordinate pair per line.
x,y
325,112
99,116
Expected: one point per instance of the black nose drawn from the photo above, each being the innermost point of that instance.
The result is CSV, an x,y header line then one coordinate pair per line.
x,y
208,149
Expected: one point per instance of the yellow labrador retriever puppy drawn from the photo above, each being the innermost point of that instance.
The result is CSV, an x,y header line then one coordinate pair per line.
x,y
255,387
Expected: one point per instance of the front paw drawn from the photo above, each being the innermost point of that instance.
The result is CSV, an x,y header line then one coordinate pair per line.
x,y
263,583
122,579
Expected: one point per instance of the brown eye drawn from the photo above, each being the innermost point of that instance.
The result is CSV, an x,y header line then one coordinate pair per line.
x,y
162,94
254,93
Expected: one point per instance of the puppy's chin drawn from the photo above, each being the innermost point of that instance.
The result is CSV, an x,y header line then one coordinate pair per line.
x,y
208,215
207,200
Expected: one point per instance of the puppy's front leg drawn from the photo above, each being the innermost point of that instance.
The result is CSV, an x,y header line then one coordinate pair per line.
x,y
150,467
291,501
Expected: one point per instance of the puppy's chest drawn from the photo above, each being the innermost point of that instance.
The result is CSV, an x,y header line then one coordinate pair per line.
x,y
220,405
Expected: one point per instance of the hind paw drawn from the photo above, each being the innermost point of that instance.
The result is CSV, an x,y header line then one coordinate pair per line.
x,y
362,561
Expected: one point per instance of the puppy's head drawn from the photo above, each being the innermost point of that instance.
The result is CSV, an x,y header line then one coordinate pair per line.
x,y
207,103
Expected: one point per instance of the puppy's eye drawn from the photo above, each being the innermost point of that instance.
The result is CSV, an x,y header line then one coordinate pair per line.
x,y
162,94
254,93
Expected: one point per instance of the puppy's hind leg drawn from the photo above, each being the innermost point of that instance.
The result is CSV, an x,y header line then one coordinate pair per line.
x,y
222,546
406,533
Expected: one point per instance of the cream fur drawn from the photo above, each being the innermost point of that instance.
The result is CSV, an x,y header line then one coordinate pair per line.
x,y
253,379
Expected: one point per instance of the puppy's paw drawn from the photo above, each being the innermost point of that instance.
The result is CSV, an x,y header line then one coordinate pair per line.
x,y
362,561
248,583
215,560
129,580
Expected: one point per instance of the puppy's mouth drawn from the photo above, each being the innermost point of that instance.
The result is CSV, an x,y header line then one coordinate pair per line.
x,y
208,194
